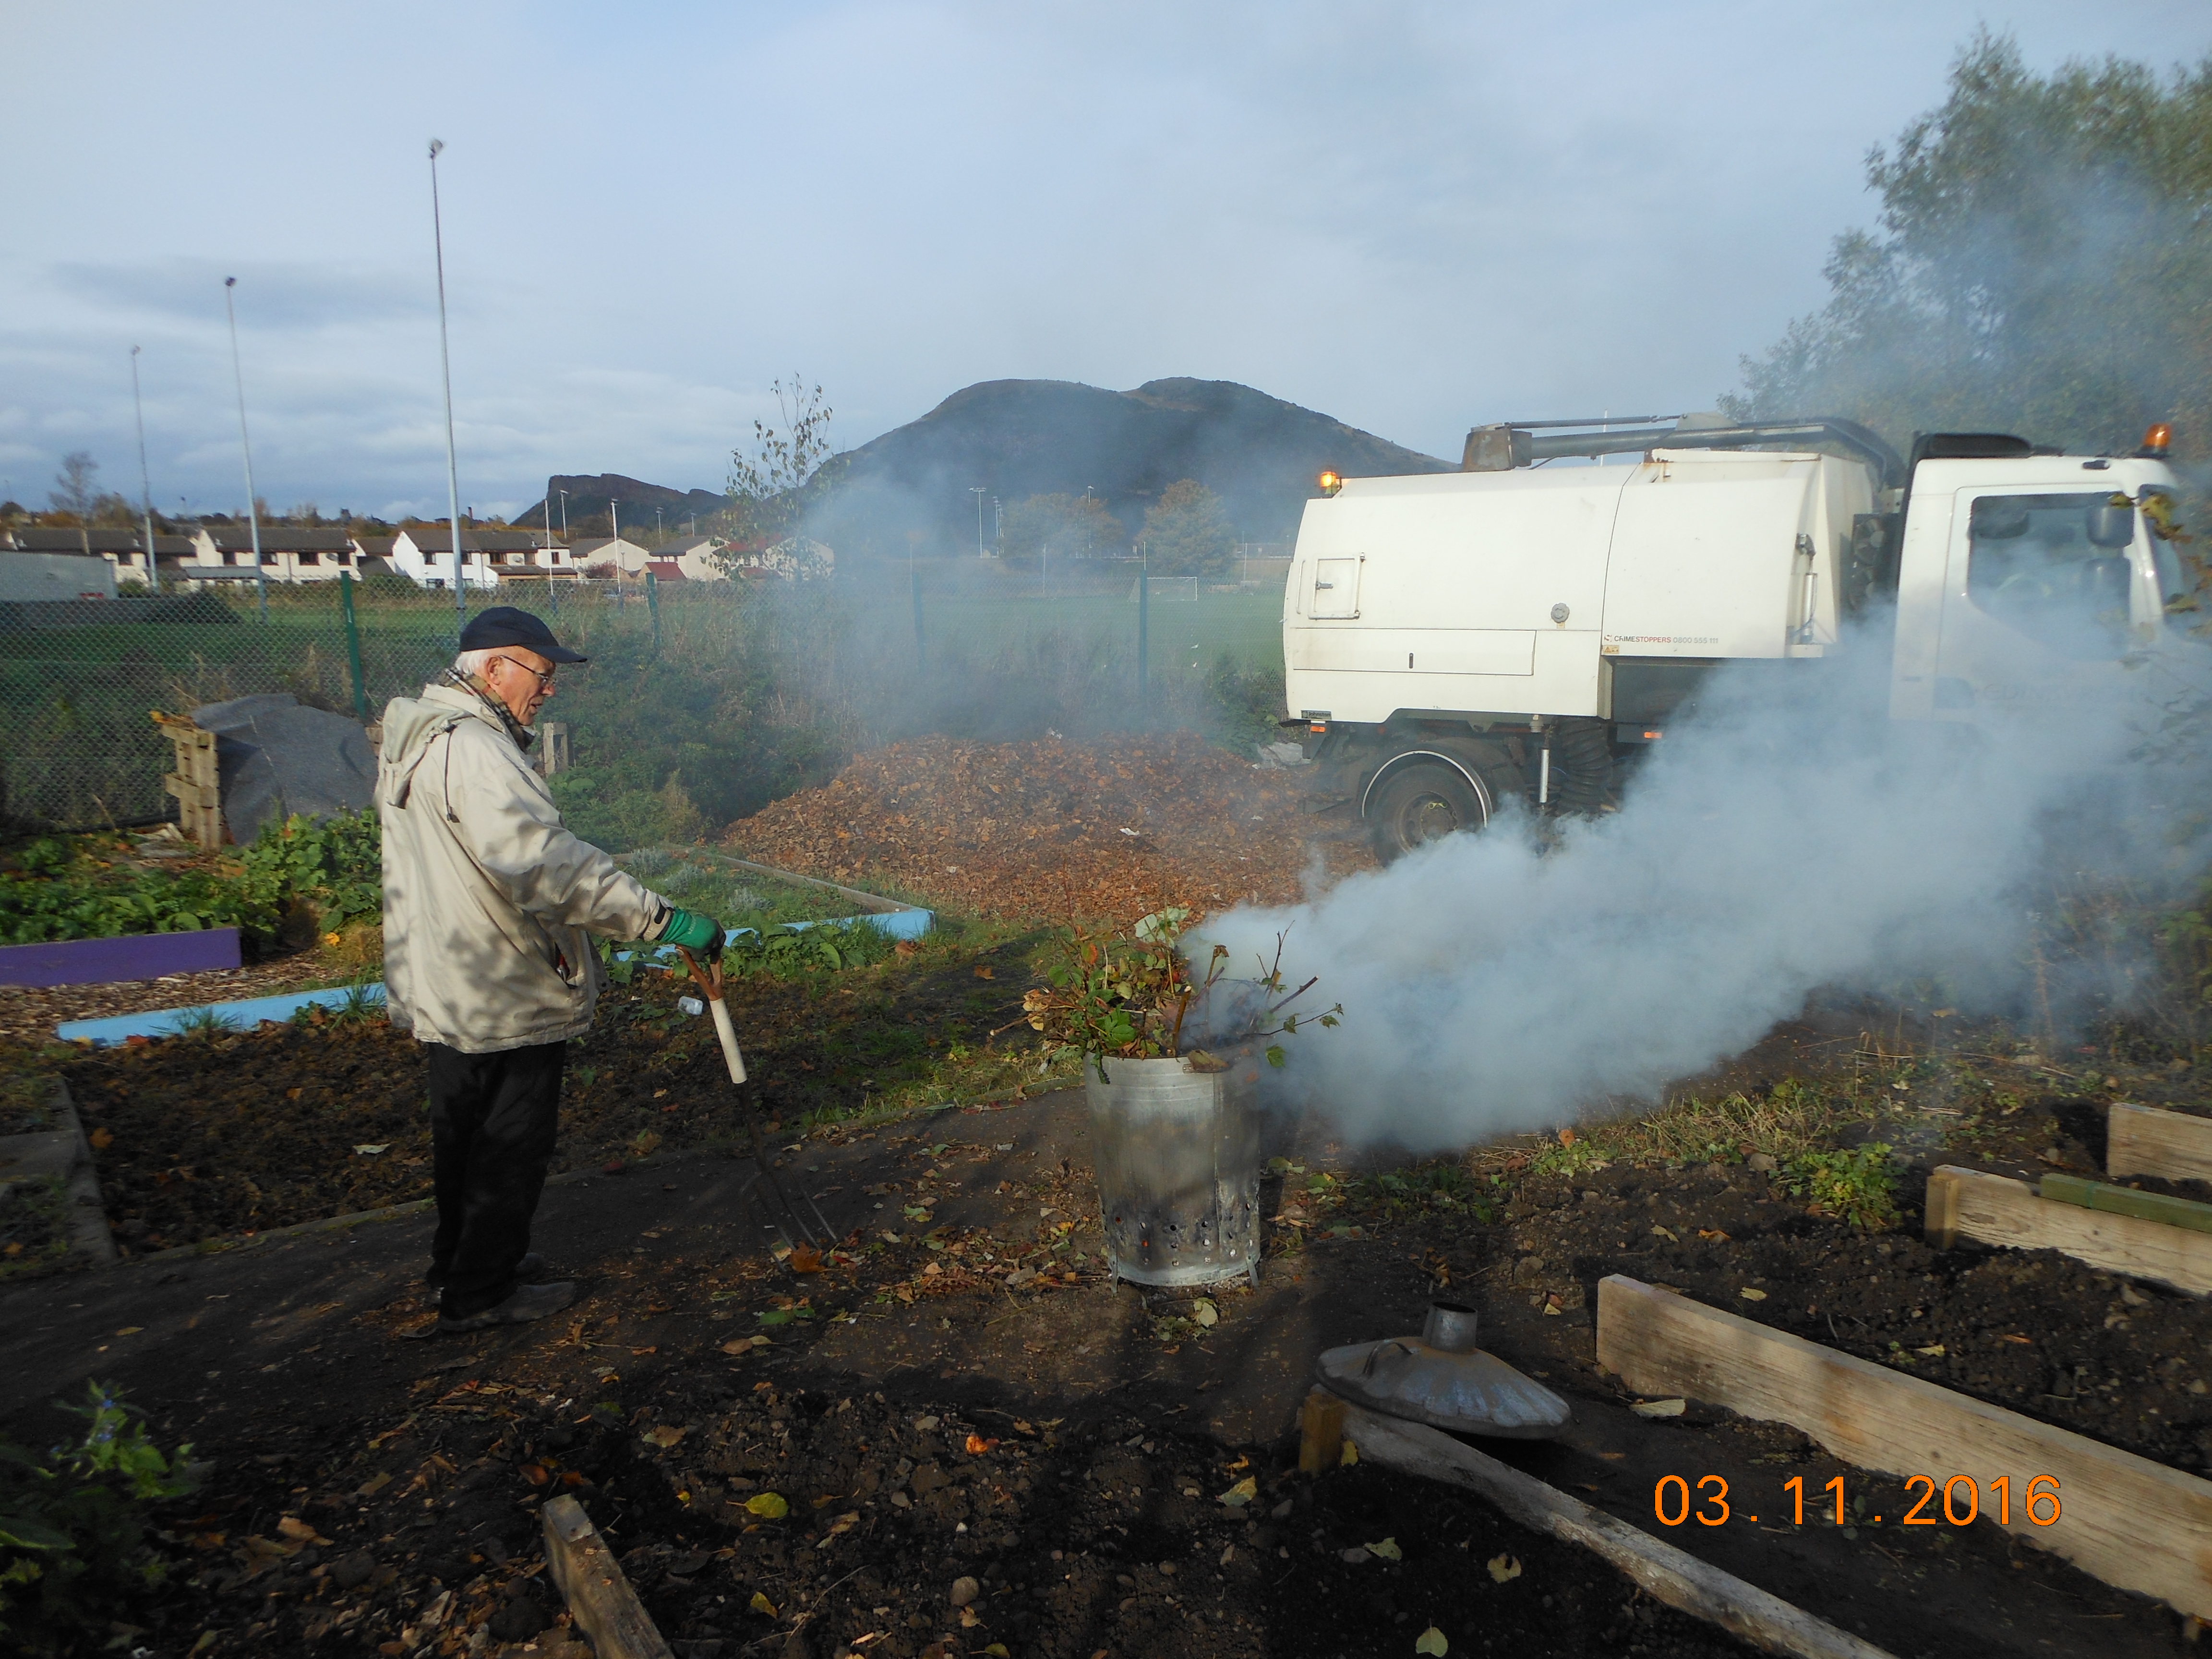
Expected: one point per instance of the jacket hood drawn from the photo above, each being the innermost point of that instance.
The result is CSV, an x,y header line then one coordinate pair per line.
x,y
409,721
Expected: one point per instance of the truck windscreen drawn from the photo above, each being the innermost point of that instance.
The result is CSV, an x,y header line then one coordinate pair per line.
x,y
2055,568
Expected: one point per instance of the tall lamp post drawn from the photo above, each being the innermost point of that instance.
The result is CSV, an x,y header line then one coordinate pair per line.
x,y
245,448
445,369
978,491
145,484
563,495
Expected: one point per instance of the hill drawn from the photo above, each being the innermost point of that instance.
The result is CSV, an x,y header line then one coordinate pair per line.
x,y
588,506
1021,438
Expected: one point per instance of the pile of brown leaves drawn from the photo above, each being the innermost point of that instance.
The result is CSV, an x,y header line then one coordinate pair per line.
x,y
1115,828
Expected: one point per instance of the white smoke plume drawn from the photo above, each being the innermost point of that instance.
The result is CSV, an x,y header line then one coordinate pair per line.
x,y
1789,838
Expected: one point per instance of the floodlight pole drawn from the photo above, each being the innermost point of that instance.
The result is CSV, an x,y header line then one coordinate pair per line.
x,y
145,484
245,448
445,369
978,491
563,495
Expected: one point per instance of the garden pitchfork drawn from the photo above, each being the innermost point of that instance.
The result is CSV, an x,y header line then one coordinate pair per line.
x,y
788,1218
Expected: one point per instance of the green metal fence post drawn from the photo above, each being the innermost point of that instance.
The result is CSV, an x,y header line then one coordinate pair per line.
x,y
1144,645
353,644
653,603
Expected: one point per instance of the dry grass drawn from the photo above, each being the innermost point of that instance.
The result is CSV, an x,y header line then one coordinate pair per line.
x,y
1790,1120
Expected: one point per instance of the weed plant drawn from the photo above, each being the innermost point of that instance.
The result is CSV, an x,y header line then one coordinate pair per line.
x,y
74,1550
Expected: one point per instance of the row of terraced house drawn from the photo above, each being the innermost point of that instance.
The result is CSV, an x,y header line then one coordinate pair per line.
x,y
214,554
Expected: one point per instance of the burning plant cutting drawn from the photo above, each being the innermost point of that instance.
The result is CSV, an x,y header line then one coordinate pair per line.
x,y
1175,1119
1130,995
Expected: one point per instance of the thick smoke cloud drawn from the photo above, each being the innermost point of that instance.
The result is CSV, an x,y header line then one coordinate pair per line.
x,y
1790,837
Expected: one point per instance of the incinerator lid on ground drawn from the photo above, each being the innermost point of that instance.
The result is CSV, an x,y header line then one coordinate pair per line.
x,y
1441,1378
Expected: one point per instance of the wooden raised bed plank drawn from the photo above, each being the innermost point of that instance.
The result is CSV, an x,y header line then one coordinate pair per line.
x,y
1991,1209
2144,1140
2135,1524
1668,1573
598,1595
2127,1201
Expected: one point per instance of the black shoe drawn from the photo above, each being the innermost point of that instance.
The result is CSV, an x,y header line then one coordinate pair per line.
x,y
524,1304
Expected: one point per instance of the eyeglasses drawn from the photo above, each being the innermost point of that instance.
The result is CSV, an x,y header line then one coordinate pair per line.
x,y
545,680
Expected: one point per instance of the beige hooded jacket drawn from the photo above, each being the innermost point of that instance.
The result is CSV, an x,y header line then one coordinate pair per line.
x,y
488,903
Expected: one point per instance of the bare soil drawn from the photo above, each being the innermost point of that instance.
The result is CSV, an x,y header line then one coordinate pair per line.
x,y
204,1138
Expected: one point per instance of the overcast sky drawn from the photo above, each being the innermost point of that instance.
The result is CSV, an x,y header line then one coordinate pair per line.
x,y
1414,217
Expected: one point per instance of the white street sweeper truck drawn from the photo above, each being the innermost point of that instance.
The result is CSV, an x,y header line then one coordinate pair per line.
x,y
1515,628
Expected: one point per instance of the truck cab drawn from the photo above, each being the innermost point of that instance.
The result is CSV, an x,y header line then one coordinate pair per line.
x,y
2028,582
1454,640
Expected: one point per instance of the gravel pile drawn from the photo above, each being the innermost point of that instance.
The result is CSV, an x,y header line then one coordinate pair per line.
x,y
1110,829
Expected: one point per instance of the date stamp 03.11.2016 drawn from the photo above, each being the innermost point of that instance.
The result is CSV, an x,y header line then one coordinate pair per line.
x,y
1961,1501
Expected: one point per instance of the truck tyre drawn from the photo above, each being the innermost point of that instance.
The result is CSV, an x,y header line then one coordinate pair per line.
x,y
1422,802
1582,767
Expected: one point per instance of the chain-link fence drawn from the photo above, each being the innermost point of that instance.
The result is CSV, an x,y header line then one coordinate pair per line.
x,y
79,681
748,690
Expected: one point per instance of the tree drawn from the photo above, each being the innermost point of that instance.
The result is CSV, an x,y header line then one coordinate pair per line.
x,y
76,486
788,473
2043,252
1187,533
1071,526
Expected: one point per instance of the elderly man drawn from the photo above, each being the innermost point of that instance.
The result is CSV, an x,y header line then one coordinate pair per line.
x,y
488,903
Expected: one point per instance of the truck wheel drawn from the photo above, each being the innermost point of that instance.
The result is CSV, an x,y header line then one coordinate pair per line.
x,y
1422,803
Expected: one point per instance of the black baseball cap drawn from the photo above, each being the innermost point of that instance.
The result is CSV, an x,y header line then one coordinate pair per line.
x,y
504,624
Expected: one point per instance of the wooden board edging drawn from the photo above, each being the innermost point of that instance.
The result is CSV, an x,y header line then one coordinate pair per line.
x,y
2135,1524
1994,1209
598,1595
2142,1140
1666,1573
2161,1207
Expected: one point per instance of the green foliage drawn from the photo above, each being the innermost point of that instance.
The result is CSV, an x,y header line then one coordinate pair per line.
x,y
830,947
2043,250
337,865
63,890
1127,993
598,806
73,1524
1188,534
1071,526
1857,1182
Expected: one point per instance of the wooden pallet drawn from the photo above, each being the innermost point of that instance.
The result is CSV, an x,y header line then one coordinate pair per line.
x,y
196,783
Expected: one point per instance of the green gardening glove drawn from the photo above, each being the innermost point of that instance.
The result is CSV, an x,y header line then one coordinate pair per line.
x,y
692,930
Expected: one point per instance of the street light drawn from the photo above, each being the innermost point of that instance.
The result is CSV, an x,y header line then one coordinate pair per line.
x,y
445,370
245,448
145,487
563,495
978,491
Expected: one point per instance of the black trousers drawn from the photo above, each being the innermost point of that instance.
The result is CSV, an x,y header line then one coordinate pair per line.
x,y
493,1118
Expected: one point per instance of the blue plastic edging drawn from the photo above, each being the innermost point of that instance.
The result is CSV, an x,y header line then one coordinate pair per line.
x,y
245,1015
172,1022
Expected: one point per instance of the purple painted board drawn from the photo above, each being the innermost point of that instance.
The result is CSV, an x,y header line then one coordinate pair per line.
x,y
103,961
